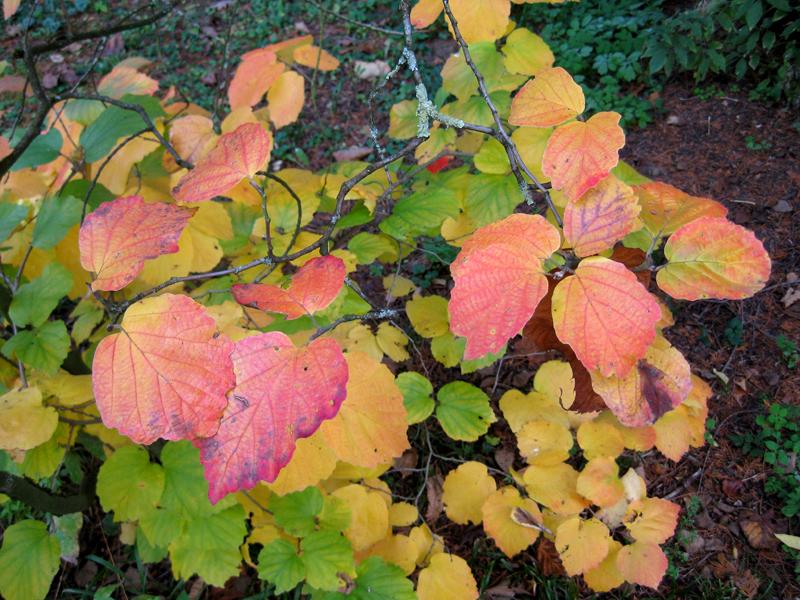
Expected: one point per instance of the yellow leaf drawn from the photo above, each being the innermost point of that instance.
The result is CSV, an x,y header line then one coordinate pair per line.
x,y
518,409
24,422
481,20
397,286
399,550
392,342
428,315
555,487
369,520
600,439
286,98
370,428
582,544
554,379
551,98
500,523
67,389
465,490
446,578
606,576
544,442
311,462
527,53
115,174
402,514
600,483
673,434
428,544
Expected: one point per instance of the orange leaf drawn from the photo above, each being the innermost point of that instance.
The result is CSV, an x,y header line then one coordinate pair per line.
x,y
551,98
314,57
582,544
713,258
286,98
255,74
599,482
499,281
10,7
117,238
313,288
237,155
601,217
425,12
652,520
512,535
605,315
642,563
579,154
666,208
659,383
282,393
166,374
193,137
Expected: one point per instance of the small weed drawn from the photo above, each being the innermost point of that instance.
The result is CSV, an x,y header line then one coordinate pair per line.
x,y
777,443
734,332
789,350
753,144
707,92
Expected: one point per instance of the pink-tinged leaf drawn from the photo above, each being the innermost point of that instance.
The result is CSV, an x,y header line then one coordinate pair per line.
x,y
580,154
605,315
10,7
601,217
313,288
126,80
237,155
713,258
253,77
659,383
551,98
117,238
166,374
282,393
499,281
666,208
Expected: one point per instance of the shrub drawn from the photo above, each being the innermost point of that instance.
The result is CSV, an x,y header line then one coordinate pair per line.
x,y
241,398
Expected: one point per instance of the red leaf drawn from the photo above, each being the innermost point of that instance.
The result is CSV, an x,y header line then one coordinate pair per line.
x,y
166,374
439,164
237,155
282,393
117,238
313,288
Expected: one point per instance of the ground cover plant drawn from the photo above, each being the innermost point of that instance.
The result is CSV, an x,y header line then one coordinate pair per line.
x,y
255,334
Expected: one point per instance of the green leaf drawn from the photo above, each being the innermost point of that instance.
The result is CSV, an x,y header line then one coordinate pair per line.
x,y
11,215
56,217
297,512
627,174
378,580
210,547
279,564
753,15
335,514
162,525
80,187
185,486
44,149
367,247
88,314
67,528
470,366
492,158
35,300
422,212
29,560
358,215
417,396
463,411
102,134
44,348
129,484
325,554
448,349
491,198
149,552
43,460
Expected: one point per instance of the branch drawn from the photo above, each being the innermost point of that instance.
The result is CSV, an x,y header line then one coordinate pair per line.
x,y
353,21
62,40
375,315
43,500
501,134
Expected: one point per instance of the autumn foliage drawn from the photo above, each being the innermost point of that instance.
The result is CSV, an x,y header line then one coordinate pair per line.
x,y
222,308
